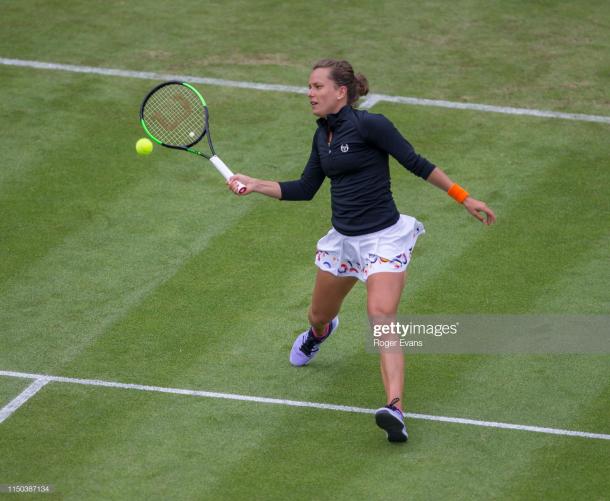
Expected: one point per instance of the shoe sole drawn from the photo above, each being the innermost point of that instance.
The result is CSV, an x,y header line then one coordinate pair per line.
x,y
396,430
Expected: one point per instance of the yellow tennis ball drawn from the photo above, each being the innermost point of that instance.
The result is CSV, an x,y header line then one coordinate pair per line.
x,y
144,146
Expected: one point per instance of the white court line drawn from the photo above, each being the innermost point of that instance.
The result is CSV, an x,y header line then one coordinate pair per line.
x,y
367,103
370,101
22,398
495,109
146,75
297,403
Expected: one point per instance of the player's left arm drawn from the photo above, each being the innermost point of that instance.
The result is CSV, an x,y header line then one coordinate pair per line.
x,y
476,207
383,134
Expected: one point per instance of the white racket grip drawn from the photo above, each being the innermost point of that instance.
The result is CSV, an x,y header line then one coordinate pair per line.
x,y
225,171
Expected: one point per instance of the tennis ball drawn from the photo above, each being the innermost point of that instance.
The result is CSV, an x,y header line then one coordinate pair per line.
x,y
144,146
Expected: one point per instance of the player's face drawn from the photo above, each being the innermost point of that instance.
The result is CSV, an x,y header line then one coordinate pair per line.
x,y
325,96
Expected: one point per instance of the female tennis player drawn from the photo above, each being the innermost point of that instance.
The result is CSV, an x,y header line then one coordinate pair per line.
x,y
369,240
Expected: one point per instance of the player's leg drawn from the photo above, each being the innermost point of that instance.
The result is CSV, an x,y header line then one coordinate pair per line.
x,y
328,294
383,297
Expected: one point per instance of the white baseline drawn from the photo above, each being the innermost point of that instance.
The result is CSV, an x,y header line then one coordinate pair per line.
x,y
369,102
42,379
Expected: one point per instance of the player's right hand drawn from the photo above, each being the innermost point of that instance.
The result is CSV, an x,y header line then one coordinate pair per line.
x,y
247,181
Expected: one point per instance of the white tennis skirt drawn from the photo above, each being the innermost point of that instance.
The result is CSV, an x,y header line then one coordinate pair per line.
x,y
363,255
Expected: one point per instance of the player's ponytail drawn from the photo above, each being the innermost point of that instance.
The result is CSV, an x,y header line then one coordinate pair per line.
x,y
342,73
362,85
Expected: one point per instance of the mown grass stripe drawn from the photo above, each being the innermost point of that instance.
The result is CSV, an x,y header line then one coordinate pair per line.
x,y
296,403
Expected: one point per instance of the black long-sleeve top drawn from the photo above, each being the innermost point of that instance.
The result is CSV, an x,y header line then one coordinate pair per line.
x,y
357,163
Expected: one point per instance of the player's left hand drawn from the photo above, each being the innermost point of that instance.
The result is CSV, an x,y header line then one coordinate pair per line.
x,y
480,210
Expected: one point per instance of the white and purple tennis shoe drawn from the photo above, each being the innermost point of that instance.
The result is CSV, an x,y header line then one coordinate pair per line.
x,y
306,345
391,420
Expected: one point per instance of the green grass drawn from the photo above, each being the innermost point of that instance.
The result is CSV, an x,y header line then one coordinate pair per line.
x,y
146,270
544,54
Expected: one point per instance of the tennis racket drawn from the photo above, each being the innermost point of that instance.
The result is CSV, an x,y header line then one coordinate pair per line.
x,y
175,115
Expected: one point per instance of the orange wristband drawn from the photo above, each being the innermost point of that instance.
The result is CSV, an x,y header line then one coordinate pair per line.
x,y
458,193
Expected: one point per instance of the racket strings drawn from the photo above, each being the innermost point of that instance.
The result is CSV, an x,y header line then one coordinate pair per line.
x,y
175,115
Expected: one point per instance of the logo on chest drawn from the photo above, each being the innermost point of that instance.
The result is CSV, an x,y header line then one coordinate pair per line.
x,y
344,148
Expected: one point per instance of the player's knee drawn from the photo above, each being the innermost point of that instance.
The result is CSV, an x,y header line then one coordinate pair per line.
x,y
380,310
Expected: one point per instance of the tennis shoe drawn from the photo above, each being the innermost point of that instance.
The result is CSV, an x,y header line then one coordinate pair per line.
x,y
306,345
391,420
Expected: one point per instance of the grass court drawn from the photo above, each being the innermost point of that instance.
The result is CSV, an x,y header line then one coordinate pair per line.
x,y
146,270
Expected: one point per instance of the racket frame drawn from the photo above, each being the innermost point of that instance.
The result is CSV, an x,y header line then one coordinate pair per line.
x,y
215,159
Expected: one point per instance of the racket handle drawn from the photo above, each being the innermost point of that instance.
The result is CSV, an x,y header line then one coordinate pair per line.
x,y
225,171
